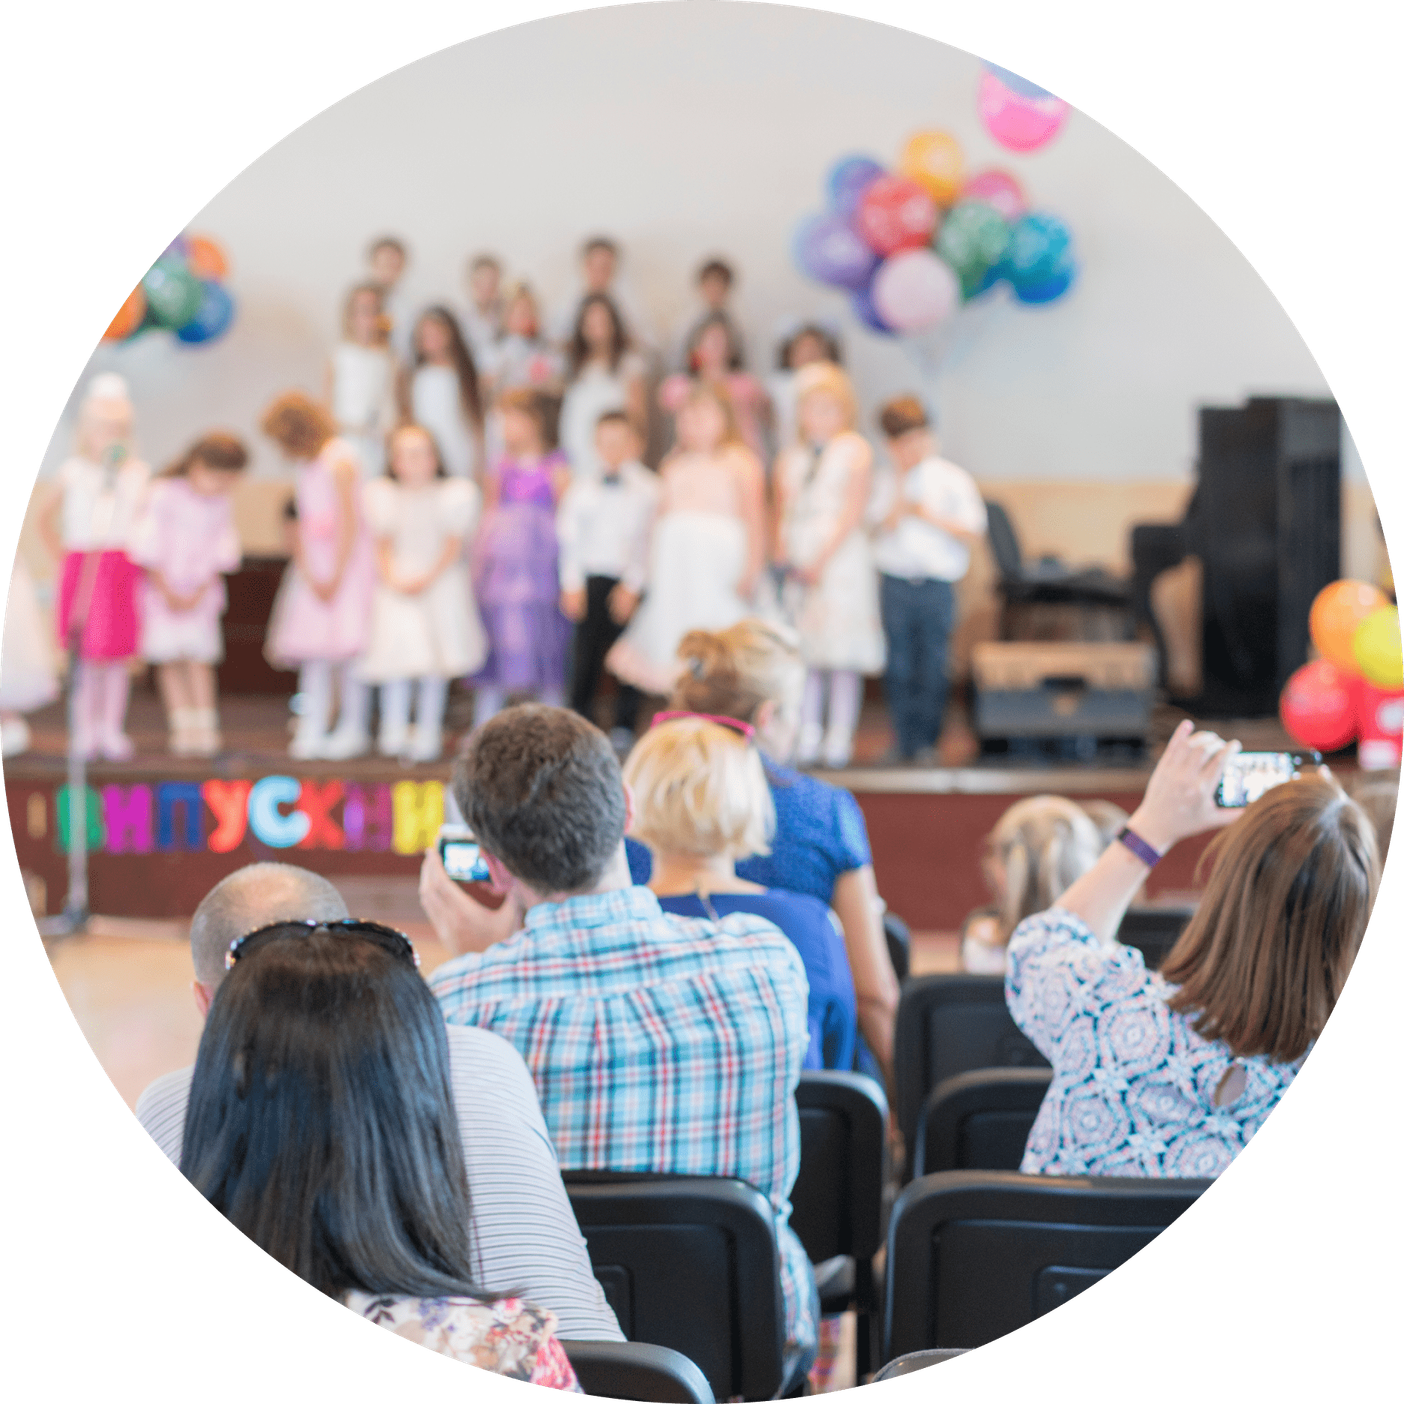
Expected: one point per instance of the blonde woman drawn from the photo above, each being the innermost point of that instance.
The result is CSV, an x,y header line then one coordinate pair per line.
x,y
1039,848
701,802
753,673
822,486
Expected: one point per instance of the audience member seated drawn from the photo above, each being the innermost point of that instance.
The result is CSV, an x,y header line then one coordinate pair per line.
x,y
701,802
658,1044
1172,1073
753,673
1377,793
320,1042
1039,848
523,1228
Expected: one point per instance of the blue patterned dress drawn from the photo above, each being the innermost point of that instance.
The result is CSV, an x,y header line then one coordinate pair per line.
x,y
1133,1084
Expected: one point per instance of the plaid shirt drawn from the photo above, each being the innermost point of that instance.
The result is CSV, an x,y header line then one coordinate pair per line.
x,y
657,1043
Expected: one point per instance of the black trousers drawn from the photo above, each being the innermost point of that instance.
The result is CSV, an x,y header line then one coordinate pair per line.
x,y
594,637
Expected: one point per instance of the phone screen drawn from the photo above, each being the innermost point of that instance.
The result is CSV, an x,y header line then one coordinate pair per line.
x,y
461,856
1251,774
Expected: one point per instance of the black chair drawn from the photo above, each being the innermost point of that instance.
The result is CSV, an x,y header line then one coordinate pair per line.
x,y
899,944
634,1370
691,1263
915,1360
950,1024
973,1255
1153,930
837,1199
979,1120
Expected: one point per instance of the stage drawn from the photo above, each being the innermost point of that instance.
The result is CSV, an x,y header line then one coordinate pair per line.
x,y
163,829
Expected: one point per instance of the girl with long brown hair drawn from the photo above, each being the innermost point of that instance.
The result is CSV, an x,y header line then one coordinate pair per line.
x,y
440,391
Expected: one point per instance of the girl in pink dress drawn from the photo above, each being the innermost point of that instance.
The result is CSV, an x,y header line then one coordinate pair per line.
x,y
88,522
186,542
714,357
321,618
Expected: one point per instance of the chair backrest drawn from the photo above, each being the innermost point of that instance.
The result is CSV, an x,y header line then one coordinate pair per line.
x,y
899,944
950,1024
979,1120
837,1199
1004,541
691,1263
913,1361
1153,930
973,1255
636,1370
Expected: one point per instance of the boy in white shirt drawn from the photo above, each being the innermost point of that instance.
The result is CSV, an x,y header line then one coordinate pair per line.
x,y
934,515
604,525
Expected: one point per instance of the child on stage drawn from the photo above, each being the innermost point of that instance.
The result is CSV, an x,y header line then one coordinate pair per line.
x,y
604,526
932,514
187,542
361,378
708,542
822,485
425,628
515,559
321,618
88,522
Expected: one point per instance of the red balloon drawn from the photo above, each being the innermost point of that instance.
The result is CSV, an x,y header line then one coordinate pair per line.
x,y
1318,706
895,214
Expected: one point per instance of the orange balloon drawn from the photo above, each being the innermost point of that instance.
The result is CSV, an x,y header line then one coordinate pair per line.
x,y
204,257
933,160
129,318
1336,613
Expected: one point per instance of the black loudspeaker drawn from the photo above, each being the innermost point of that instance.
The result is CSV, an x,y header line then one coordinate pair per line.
x,y
1266,524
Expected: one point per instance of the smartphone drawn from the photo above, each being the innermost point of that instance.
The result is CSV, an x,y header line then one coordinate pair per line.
x,y
461,855
1253,773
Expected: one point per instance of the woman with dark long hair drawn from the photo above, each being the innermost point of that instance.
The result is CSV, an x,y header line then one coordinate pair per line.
x,y
441,392
321,1124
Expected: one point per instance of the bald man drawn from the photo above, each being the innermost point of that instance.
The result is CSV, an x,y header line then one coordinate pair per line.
x,y
524,1233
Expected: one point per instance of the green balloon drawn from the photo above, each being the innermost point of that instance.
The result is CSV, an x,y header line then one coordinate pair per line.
x,y
173,293
973,240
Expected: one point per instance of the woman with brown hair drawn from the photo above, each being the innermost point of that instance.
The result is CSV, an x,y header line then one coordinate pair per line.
x,y
1172,1073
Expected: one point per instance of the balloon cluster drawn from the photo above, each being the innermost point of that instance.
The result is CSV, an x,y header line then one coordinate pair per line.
x,y
1018,114
1355,689
910,246
181,292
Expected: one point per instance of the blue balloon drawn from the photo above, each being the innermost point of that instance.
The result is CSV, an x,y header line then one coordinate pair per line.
x,y
848,179
213,319
1047,289
862,303
1039,247
827,249
1020,87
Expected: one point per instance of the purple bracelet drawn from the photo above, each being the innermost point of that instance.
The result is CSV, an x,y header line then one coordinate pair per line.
x,y
1140,847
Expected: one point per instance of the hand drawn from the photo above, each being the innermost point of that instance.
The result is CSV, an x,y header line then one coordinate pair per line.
x,y
1179,799
573,605
326,590
411,584
459,920
622,603
810,574
746,586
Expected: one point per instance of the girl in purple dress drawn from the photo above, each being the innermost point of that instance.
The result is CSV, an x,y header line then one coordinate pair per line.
x,y
514,559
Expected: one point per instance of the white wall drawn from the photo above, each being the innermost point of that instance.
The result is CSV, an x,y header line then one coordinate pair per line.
x,y
688,129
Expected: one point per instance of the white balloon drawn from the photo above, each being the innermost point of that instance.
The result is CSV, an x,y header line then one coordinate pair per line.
x,y
915,290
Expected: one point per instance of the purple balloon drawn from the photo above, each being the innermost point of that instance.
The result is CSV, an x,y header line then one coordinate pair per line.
x,y
848,179
826,249
862,305
1019,86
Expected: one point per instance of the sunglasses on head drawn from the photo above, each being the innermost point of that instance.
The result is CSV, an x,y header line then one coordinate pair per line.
x,y
741,728
386,937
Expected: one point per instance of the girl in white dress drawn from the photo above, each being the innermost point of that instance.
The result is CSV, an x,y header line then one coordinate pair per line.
x,y
822,486
805,345
708,542
425,627
27,680
603,375
361,378
440,391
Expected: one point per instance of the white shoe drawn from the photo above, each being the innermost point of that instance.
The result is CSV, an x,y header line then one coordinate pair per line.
x,y
426,747
345,745
393,741
811,739
837,754
307,745
117,747
14,736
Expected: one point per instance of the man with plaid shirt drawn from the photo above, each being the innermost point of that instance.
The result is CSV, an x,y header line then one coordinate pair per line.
x,y
657,1043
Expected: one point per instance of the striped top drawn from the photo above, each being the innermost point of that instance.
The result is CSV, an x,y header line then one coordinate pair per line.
x,y
658,1044
525,1238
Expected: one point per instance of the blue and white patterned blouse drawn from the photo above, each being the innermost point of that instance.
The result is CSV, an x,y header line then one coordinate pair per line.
x,y
1133,1084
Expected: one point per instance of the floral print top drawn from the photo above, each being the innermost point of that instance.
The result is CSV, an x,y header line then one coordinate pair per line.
x,y
508,1336
1133,1083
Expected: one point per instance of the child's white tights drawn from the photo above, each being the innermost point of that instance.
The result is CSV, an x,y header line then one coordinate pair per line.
x,y
312,740
834,743
427,741
102,690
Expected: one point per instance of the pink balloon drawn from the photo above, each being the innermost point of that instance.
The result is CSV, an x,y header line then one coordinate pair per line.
x,y
915,290
1000,189
1020,123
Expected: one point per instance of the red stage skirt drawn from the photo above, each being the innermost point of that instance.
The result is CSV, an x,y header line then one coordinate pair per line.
x,y
110,583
